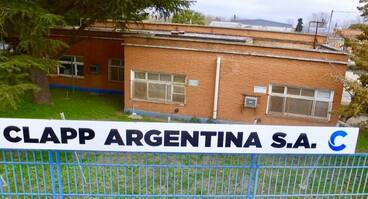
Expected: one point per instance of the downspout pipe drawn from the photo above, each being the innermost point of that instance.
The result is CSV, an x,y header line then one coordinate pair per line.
x,y
217,82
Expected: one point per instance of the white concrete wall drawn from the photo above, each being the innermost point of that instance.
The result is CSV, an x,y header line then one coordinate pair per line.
x,y
271,28
345,95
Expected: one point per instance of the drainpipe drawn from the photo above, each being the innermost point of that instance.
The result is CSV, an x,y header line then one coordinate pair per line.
x,y
217,81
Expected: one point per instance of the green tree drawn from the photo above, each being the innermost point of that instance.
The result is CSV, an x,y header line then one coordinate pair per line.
x,y
358,89
29,53
24,28
189,17
363,9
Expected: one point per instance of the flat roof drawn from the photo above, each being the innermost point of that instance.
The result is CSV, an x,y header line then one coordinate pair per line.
x,y
217,38
263,22
238,53
190,35
230,28
235,42
282,36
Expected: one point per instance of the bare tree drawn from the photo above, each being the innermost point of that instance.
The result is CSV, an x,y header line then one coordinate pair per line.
x,y
320,16
210,18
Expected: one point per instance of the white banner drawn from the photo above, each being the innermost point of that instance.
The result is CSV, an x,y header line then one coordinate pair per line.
x,y
174,137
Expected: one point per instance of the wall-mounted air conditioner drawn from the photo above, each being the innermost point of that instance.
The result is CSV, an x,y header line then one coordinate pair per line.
x,y
250,102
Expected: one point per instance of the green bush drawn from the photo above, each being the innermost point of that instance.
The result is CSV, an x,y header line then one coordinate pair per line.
x,y
194,120
211,120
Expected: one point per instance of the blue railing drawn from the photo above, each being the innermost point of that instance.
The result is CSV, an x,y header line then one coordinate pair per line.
x,y
67,174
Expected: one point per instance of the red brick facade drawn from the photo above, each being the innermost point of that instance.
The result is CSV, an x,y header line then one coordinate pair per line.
x,y
239,75
94,51
243,66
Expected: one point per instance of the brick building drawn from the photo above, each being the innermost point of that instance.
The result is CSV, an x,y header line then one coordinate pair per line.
x,y
227,74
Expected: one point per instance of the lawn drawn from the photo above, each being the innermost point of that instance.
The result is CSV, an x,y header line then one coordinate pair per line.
x,y
158,173
74,105
362,145
86,106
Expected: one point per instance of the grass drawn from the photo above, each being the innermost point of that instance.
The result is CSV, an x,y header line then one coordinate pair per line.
x,y
151,173
86,106
158,174
74,105
362,145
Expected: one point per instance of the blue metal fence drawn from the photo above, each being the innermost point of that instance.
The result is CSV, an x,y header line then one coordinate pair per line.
x,y
67,174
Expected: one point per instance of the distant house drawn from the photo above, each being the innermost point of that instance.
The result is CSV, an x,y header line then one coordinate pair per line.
x,y
225,24
349,33
258,24
337,40
262,24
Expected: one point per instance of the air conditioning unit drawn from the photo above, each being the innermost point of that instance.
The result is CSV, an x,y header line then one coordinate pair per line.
x,y
250,101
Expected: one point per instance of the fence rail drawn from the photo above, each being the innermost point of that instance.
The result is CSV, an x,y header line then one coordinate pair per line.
x,y
67,174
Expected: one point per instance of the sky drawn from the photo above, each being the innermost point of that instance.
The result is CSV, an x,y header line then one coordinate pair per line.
x,y
278,10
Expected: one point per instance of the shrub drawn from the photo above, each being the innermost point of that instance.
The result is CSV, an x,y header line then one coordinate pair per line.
x,y
194,120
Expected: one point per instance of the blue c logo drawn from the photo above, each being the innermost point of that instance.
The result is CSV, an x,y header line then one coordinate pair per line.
x,y
331,142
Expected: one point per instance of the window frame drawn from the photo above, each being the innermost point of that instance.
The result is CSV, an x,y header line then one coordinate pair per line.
x,y
109,66
171,84
75,64
314,100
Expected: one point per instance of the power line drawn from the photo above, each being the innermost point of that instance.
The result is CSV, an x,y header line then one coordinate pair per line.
x,y
338,11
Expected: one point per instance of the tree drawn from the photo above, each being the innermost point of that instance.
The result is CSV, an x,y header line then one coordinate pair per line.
x,y
299,26
189,17
25,27
358,89
363,9
321,17
210,18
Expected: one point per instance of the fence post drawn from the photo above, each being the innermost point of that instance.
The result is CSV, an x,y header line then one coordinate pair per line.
x,y
251,166
60,180
51,164
1,184
257,174
52,175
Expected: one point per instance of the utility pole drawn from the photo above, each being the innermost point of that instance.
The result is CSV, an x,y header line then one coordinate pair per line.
x,y
330,22
338,11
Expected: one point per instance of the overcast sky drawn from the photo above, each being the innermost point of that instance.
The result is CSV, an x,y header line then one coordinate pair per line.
x,y
278,10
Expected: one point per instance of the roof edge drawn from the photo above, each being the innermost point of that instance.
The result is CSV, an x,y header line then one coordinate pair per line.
x,y
206,26
236,53
232,43
132,34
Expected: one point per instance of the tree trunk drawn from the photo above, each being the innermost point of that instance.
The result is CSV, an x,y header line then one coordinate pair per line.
x,y
39,78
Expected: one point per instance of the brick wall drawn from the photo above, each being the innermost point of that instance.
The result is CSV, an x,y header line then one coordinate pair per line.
x,y
239,74
93,51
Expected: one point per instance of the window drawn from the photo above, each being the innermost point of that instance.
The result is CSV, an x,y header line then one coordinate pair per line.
x,y
295,101
158,87
116,70
71,66
94,69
